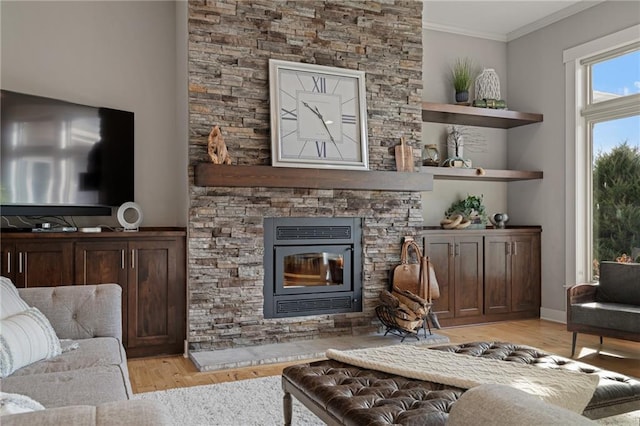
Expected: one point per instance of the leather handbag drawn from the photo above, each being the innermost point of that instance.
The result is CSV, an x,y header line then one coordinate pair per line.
x,y
406,276
417,278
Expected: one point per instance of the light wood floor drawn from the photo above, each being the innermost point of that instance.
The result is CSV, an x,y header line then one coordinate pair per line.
x,y
150,374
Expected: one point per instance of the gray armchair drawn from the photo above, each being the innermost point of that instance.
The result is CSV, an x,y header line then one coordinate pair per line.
x,y
610,307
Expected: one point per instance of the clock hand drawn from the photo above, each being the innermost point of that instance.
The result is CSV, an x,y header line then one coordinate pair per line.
x,y
317,113
325,126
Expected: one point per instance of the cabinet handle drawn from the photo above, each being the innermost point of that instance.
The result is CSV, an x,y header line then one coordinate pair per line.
x,y
457,249
507,246
26,278
8,262
84,267
515,248
122,264
133,259
451,254
19,262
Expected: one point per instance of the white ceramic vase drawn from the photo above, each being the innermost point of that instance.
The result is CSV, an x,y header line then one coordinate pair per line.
x,y
487,85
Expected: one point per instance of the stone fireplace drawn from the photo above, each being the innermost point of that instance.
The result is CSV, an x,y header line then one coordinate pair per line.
x,y
312,266
230,44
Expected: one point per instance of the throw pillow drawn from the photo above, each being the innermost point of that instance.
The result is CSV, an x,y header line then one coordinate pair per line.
x,y
10,301
14,403
26,337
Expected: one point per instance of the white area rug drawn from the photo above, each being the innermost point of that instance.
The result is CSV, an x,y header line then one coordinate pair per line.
x,y
243,403
258,402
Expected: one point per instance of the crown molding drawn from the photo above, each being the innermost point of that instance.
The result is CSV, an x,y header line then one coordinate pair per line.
x,y
550,19
464,31
526,29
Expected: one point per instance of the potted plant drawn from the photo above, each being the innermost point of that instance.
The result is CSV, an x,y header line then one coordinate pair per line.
x,y
463,73
471,209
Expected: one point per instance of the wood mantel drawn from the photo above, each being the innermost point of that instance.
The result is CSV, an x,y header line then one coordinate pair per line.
x,y
215,175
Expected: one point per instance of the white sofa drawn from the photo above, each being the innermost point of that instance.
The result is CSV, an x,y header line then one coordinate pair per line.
x,y
88,383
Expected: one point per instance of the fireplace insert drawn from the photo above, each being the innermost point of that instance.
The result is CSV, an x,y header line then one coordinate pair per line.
x,y
312,266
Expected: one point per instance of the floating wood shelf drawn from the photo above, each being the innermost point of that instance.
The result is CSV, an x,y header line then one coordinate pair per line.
x,y
472,116
454,173
215,175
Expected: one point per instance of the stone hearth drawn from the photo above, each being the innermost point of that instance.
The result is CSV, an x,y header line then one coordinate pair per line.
x,y
230,44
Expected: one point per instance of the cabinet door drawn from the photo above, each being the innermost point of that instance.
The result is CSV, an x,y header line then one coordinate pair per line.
x,y
8,260
525,273
156,295
468,276
497,274
440,251
104,262
44,264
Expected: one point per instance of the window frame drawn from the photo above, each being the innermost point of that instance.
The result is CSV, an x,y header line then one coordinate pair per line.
x,y
580,117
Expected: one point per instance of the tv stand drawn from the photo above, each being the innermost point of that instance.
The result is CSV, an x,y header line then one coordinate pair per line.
x,y
149,265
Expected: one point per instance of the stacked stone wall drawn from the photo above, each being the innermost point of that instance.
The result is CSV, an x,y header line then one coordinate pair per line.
x,y
230,44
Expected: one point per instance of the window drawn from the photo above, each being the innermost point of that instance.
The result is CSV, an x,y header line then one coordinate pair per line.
x,y
612,125
602,152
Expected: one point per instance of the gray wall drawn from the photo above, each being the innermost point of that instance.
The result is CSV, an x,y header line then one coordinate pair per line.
x,y
536,81
115,54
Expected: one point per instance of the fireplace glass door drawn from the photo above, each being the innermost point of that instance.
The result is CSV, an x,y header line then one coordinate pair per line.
x,y
318,268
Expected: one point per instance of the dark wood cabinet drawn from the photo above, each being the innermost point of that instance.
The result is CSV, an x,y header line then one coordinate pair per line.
x,y
468,275
457,260
512,277
485,275
440,251
102,262
525,273
497,279
156,315
149,265
37,264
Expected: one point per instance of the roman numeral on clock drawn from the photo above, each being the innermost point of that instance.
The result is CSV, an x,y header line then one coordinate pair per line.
x,y
321,148
289,115
319,84
348,119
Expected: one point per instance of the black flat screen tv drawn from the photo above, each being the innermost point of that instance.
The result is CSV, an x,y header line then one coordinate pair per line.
x,y
61,158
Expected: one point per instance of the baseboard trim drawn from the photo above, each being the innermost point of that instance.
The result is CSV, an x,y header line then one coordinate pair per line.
x,y
553,315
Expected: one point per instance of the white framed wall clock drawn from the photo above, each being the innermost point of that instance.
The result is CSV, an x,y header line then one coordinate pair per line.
x,y
318,116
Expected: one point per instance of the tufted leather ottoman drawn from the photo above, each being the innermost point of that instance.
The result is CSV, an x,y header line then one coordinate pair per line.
x,y
342,394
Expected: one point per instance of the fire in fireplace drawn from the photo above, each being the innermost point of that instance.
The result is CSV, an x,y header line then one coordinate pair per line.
x,y
312,266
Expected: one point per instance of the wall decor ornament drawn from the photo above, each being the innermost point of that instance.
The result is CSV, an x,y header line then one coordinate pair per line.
x,y
216,147
487,85
318,116
455,149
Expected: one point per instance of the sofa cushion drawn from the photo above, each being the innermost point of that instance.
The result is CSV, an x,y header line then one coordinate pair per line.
x,y
619,283
79,311
26,337
10,301
90,353
87,386
614,316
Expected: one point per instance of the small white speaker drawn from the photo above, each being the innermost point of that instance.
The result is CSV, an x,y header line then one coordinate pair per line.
x,y
130,216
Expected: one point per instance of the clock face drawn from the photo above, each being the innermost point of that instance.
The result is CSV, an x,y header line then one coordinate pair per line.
x,y
318,116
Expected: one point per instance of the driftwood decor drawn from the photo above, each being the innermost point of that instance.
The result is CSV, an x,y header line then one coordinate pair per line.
x,y
217,148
